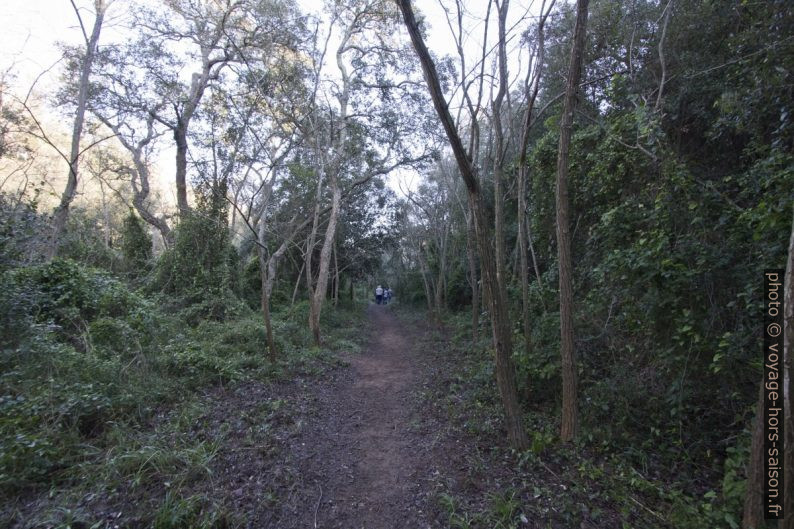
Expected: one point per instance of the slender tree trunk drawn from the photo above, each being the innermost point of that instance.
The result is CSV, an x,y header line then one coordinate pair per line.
x,y
105,216
441,277
522,250
61,213
473,279
336,278
532,87
321,287
535,266
265,301
297,284
502,332
788,403
499,155
426,282
570,420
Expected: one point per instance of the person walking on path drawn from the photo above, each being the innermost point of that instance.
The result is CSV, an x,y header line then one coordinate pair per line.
x,y
378,295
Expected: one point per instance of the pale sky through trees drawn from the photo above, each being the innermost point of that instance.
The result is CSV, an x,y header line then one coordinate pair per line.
x,y
33,29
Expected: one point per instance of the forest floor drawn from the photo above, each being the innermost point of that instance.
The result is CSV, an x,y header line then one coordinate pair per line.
x,y
390,433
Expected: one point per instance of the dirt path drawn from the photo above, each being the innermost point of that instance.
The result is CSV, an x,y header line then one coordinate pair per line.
x,y
364,457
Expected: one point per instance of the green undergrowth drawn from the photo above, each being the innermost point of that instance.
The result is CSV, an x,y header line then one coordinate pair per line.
x,y
595,482
100,390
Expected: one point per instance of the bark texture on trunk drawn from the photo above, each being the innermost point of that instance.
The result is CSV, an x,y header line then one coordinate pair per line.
x,y
265,303
321,287
180,138
61,213
788,425
570,420
502,332
753,517
471,241
499,154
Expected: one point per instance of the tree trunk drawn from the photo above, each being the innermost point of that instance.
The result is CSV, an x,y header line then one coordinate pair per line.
x,y
140,175
61,213
788,424
297,284
265,302
473,280
336,279
428,290
524,262
180,137
321,287
502,332
440,285
535,265
753,517
570,421
499,154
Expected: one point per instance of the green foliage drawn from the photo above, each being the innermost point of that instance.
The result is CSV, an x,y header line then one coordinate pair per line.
x,y
84,241
136,245
196,273
21,227
87,365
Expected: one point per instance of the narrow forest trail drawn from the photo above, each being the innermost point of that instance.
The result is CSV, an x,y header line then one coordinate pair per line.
x,y
364,457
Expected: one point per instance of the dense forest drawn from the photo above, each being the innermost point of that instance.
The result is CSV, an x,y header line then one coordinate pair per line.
x,y
573,202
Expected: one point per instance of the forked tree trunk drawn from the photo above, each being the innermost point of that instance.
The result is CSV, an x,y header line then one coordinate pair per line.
x,y
570,419
140,176
502,332
61,213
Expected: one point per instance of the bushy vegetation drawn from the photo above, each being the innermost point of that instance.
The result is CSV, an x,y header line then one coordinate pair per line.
x,y
100,373
681,195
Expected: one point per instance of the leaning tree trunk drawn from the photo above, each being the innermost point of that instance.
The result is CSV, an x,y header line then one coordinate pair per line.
x,y
61,213
316,304
569,424
501,325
